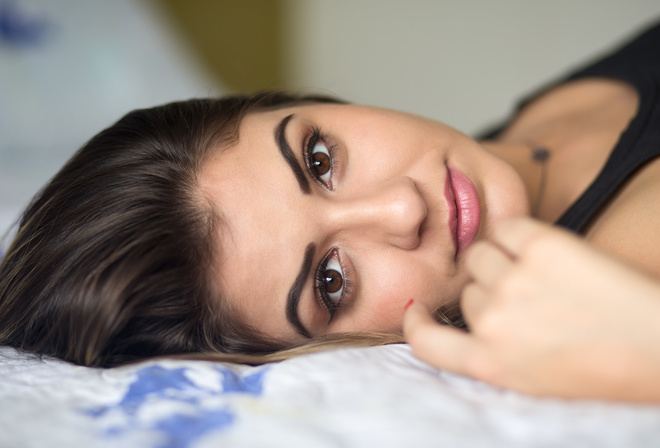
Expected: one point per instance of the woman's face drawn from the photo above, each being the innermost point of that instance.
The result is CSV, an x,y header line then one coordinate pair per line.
x,y
334,216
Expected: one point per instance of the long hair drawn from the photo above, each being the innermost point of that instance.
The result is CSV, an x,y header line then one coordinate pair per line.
x,y
110,263
112,260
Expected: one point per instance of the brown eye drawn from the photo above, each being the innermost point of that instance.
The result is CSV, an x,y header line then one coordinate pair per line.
x,y
320,160
330,283
320,163
332,280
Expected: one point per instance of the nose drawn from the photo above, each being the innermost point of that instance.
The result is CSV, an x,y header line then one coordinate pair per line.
x,y
392,212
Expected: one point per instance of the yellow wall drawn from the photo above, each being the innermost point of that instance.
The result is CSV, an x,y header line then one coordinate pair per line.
x,y
239,41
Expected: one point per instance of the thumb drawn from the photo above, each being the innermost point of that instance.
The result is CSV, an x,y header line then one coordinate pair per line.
x,y
441,346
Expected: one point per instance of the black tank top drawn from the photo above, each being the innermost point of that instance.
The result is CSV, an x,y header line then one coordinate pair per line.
x,y
638,64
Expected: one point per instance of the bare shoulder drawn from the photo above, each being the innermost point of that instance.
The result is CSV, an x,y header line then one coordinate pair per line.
x,y
580,123
630,224
575,98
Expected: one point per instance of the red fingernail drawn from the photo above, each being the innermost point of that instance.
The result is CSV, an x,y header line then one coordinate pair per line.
x,y
410,302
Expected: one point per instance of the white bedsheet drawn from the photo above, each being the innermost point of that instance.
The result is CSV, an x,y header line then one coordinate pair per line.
x,y
362,397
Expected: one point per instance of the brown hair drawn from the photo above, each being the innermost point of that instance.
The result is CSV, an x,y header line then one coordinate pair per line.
x,y
109,263
111,260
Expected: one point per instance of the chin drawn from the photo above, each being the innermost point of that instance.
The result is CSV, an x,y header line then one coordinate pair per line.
x,y
505,199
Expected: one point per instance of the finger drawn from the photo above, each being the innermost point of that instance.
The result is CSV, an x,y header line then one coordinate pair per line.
x,y
486,263
441,346
474,300
513,235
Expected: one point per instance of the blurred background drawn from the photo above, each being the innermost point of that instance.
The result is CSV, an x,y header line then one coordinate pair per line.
x,y
69,68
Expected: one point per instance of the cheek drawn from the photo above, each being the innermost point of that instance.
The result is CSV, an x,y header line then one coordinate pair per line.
x,y
367,166
382,155
392,282
503,190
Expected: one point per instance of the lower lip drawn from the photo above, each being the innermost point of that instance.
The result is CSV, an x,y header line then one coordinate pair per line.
x,y
463,208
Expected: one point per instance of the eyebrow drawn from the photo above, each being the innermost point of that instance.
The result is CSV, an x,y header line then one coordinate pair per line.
x,y
294,293
287,153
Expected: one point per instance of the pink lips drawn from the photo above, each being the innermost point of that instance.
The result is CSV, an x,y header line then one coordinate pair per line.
x,y
463,208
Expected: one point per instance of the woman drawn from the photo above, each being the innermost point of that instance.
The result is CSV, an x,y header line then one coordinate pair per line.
x,y
251,225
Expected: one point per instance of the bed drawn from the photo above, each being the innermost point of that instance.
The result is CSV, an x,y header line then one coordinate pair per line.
x,y
371,396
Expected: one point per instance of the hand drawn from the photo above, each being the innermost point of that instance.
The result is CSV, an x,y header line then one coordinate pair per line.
x,y
549,315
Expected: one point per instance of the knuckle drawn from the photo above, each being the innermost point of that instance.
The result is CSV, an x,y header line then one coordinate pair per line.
x,y
546,246
413,337
485,368
538,247
418,338
474,255
511,286
470,296
490,324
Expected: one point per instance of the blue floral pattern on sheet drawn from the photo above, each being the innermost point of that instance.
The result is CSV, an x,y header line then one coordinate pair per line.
x,y
20,27
197,406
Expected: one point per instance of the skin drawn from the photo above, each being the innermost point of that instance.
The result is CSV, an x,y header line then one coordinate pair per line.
x,y
385,214
549,315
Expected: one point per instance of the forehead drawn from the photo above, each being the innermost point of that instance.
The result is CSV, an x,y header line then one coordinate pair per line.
x,y
255,192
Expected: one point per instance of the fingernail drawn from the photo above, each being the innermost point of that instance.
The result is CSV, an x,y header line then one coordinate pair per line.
x,y
410,302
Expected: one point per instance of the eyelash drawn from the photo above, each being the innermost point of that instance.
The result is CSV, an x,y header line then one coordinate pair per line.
x,y
314,138
322,294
